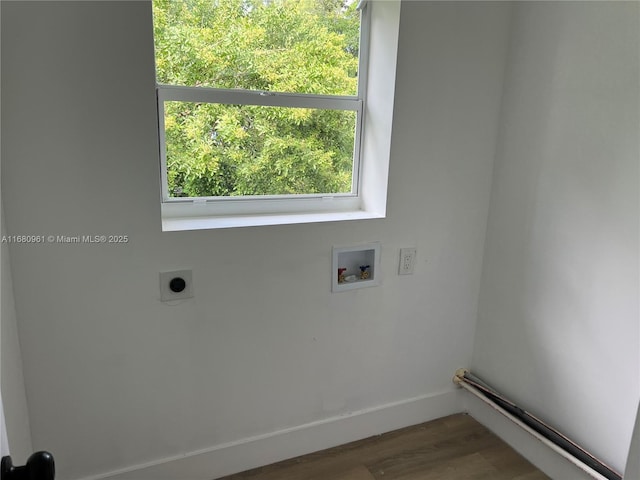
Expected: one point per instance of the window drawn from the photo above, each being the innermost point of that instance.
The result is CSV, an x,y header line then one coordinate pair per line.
x,y
263,110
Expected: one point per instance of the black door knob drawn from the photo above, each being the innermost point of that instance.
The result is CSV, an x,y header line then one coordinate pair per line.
x,y
39,466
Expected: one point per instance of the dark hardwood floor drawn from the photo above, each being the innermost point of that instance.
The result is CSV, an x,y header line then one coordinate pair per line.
x,y
450,448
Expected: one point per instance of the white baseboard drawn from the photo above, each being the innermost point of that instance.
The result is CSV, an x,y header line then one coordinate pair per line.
x,y
539,454
247,453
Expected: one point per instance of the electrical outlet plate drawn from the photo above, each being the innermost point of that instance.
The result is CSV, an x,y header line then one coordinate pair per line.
x,y
407,261
166,294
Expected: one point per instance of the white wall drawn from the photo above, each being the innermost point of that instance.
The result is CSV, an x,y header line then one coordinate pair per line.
x,y
558,315
116,378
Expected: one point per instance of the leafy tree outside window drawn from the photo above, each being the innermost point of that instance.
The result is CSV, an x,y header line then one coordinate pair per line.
x,y
258,97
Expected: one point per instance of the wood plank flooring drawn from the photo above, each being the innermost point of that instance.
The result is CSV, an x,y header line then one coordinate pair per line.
x,y
450,448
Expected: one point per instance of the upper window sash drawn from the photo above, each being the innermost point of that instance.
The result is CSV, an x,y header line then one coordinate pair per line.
x,y
363,60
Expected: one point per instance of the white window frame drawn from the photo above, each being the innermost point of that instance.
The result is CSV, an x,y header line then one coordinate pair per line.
x,y
374,108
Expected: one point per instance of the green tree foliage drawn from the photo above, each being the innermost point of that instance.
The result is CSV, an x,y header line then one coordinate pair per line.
x,y
295,46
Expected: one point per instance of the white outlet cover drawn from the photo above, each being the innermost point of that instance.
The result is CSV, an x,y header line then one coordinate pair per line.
x,y
166,294
407,261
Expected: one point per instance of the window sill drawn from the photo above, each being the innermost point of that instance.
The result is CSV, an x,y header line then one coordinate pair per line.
x,y
176,224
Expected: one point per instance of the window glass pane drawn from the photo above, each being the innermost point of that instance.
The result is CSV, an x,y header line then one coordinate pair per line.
x,y
295,46
232,150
